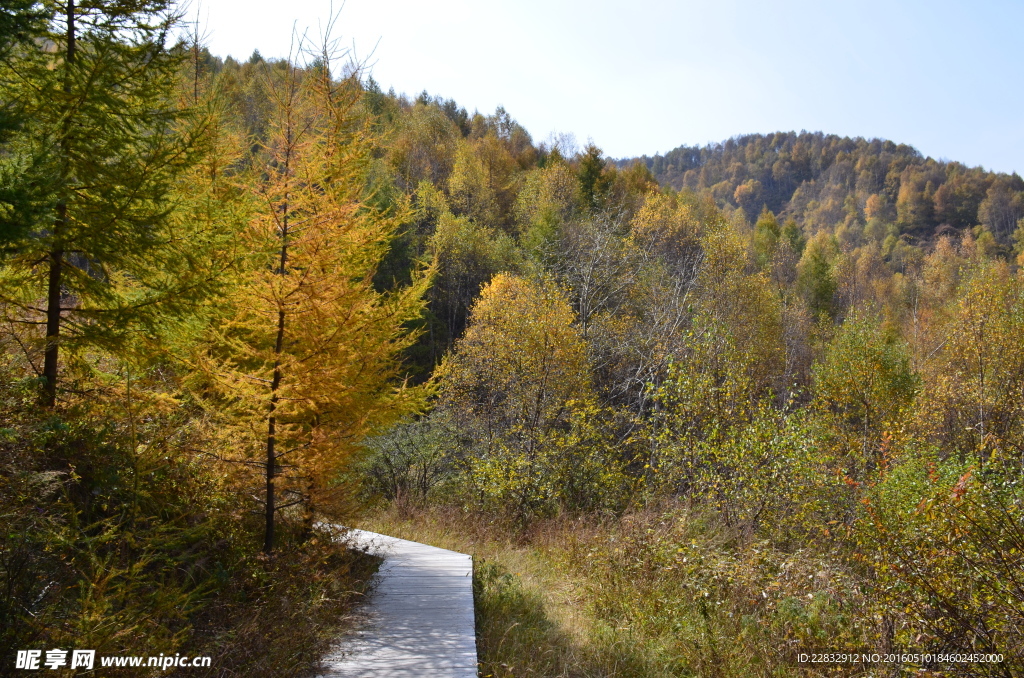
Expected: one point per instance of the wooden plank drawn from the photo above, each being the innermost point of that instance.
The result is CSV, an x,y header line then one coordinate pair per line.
x,y
417,621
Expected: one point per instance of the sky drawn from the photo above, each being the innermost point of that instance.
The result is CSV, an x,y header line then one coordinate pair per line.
x,y
644,77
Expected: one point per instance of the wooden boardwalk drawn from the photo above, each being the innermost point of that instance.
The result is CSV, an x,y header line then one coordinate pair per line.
x,y
419,616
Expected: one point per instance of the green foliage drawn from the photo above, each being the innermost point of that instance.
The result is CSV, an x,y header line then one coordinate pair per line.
x,y
467,254
548,199
944,539
593,181
866,383
577,469
21,22
816,279
768,476
791,233
766,238
709,391
409,461
111,534
102,144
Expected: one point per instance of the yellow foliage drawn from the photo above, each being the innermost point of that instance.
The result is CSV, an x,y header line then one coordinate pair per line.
x,y
520,362
975,376
481,184
307,353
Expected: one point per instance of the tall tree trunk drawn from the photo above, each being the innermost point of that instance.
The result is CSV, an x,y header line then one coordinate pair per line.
x,y
56,255
271,506
271,460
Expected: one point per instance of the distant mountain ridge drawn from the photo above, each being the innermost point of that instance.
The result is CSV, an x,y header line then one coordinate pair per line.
x,y
825,181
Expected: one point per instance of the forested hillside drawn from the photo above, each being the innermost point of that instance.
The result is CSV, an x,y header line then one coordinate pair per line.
x,y
741,403
867,188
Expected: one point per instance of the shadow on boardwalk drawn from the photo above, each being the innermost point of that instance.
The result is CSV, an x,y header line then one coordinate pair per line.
x,y
419,619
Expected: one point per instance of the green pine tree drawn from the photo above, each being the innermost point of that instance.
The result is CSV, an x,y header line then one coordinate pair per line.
x,y
766,238
88,258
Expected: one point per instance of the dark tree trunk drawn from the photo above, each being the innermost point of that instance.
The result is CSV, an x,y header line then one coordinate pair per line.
x,y
56,257
271,507
53,316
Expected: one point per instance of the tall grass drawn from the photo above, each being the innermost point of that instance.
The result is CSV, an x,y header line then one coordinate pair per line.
x,y
657,592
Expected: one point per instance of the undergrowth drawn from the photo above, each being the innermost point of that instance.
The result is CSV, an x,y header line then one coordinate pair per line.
x,y
121,534
657,592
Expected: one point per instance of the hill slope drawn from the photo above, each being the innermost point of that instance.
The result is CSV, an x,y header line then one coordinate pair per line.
x,y
824,181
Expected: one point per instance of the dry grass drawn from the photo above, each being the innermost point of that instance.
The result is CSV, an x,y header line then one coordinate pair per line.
x,y
654,593
533,618
284,621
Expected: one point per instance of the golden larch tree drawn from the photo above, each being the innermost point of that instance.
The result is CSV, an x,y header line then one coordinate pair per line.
x,y
308,354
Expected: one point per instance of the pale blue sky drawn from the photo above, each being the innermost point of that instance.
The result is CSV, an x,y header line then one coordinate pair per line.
x,y
647,76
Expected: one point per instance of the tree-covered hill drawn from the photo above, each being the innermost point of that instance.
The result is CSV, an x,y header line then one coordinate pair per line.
x,y
827,181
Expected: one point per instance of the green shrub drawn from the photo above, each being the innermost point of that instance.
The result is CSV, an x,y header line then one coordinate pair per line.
x,y
410,460
946,541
